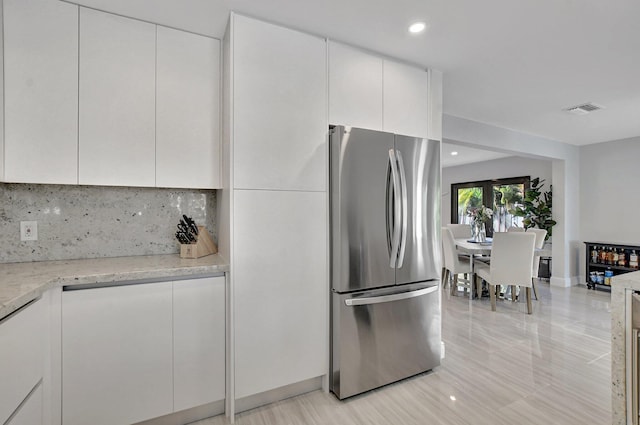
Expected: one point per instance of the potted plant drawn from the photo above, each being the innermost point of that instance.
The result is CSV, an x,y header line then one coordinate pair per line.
x,y
536,207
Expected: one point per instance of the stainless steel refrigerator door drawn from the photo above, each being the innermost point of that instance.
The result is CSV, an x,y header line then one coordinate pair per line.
x,y
360,239
380,337
419,169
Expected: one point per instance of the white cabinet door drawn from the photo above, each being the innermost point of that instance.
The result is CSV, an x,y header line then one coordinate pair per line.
x,y
406,100
435,104
117,354
41,91
280,289
188,110
31,411
355,87
279,107
199,342
117,100
21,355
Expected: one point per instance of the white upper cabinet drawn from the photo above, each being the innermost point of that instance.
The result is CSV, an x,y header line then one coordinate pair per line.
x,y
355,87
41,91
405,99
188,110
279,107
370,92
117,100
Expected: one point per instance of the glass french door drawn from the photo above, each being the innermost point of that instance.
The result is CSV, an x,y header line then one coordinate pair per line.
x,y
505,198
501,195
468,198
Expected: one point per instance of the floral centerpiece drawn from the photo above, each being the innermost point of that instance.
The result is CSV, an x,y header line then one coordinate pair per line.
x,y
479,217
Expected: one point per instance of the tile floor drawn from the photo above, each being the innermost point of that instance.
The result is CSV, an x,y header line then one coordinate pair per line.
x,y
503,368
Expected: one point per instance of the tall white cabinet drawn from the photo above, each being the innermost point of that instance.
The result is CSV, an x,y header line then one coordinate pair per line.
x,y
41,91
279,108
280,289
117,100
277,206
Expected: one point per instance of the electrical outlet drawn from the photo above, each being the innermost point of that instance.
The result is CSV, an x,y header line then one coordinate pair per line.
x,y
28,230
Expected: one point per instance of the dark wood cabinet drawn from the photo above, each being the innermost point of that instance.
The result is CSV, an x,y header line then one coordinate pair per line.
x,y
605,260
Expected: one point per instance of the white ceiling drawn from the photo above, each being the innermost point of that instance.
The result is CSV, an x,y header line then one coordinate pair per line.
x,y
466,155
514,64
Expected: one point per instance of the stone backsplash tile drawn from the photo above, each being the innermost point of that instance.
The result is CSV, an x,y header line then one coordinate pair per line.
x,y
96,221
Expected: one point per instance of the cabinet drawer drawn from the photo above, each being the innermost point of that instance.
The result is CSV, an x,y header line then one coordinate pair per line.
x,y
21,356
30,413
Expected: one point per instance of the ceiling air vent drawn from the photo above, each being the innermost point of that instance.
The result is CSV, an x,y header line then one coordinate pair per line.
x,y
583,109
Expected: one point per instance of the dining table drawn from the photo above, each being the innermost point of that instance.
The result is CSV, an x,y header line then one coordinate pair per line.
x,y
478,251
475,251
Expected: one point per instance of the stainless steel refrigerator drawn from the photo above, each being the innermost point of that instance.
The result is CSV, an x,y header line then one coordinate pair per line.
x,y
385,249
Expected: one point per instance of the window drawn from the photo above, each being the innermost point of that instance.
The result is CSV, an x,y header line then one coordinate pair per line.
x,y
501,195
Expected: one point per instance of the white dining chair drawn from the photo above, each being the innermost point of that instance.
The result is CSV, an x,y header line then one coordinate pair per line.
x,y
460,231
541,234
511,263
454,264
515,229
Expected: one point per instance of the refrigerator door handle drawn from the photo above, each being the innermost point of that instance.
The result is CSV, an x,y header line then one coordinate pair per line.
x,y
389,298
395,238
389,206
404,217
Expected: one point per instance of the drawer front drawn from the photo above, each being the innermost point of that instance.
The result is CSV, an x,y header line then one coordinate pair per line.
x,y
30,412
21,356
381,338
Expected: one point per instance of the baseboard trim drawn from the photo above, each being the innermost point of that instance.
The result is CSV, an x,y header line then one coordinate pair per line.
x,y
564,282
271,396
190,415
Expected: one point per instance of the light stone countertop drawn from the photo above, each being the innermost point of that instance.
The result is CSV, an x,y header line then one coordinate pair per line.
x,y
23,282
619,286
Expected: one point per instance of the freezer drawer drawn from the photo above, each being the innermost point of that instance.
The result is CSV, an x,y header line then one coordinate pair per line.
x,y
382,336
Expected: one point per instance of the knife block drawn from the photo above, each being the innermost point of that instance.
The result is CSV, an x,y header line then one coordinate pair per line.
x,y
202,247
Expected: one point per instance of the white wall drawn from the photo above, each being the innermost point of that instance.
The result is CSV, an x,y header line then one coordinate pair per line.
x,y
513,166
565,172
609,205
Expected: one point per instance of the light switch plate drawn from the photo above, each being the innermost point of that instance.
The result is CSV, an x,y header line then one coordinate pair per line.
x,y
28,230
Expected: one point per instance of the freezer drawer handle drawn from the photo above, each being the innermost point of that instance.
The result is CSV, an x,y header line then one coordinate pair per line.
x,y
390,298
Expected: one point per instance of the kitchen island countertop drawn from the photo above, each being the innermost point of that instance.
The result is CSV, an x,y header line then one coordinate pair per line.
x,y
22,282
620,285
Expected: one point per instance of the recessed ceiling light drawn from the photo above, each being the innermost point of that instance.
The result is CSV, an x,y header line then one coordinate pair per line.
x,y
454,153
417,27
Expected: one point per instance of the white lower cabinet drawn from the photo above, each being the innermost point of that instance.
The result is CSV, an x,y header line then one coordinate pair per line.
x,y
30,413
21,356
116,354
198,340
136,352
